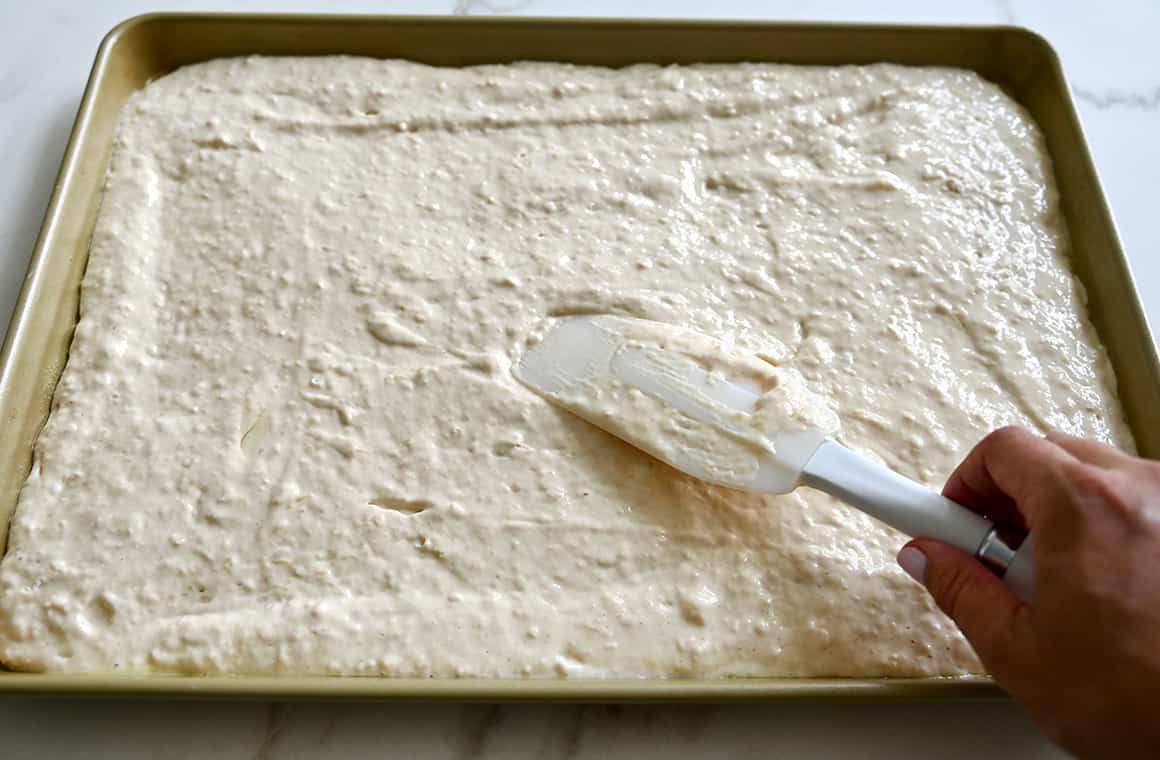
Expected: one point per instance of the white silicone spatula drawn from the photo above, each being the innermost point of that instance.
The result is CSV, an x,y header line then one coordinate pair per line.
x,y
587,353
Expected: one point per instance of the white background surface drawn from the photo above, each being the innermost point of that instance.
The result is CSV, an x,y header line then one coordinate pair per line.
x,y
1110,52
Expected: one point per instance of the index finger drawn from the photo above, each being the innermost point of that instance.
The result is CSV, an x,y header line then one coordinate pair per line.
x,y
1004,473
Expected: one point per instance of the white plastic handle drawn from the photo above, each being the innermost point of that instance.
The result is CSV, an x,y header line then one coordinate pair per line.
x,y
897,501
910,507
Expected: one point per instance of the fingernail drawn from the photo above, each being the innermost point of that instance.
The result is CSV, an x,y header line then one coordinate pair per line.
x,y
913,562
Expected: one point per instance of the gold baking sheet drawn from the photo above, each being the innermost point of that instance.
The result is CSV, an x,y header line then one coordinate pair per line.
x,y
147,47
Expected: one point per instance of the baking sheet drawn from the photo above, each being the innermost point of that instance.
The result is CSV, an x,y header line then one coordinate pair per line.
x,y
146,47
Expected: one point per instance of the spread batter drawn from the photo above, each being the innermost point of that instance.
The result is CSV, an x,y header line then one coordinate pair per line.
x,y
288,438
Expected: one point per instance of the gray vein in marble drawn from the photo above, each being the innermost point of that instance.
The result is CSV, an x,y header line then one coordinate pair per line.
x,y
328,729
13,83
475,727
466,7
275,722
1006,10
570,737
1107,99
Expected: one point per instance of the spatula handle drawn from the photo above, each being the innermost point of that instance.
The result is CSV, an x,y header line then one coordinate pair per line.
x,y
915,510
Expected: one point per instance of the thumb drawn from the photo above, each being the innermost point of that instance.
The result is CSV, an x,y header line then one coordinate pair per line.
x,y
994,620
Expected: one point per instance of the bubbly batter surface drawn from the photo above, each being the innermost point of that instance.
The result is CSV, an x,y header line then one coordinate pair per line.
x,y
288,438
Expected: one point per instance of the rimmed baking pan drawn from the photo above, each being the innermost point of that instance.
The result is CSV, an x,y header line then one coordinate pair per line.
x,y
150,46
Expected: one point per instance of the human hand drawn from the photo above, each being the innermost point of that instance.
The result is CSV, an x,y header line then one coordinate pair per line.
x,y
1084,657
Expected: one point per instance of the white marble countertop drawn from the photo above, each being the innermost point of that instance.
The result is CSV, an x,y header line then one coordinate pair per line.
x,y
46,49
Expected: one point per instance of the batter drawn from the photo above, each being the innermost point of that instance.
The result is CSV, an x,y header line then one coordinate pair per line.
x,y
288,439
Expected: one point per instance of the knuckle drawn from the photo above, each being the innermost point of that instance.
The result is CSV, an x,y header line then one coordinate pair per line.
x,y
1104,490
1149,473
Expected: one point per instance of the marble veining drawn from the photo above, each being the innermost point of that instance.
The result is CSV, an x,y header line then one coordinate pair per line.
x,y
479,7
1106,99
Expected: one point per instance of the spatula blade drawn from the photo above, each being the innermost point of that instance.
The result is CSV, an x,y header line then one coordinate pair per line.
x,y
670,392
